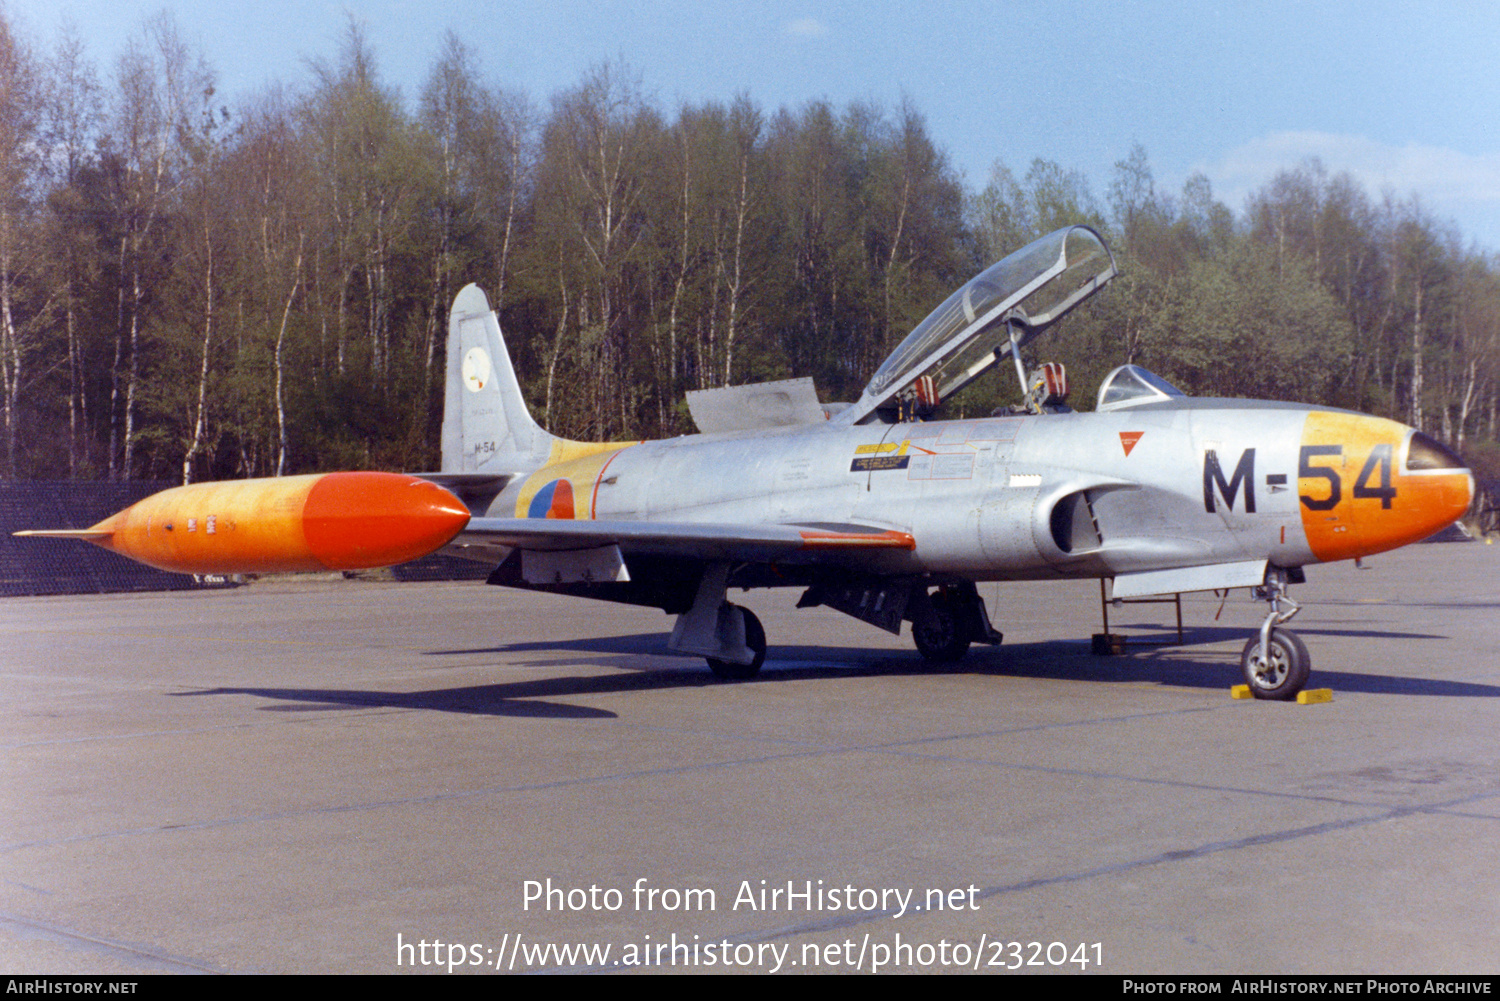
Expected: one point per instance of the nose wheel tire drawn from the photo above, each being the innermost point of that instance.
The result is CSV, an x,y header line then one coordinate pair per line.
x,y
755,639
1283,673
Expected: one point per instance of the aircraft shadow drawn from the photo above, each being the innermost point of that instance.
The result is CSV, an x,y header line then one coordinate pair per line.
x,y
1153,658
1175,666
635,644
482,700
1165,663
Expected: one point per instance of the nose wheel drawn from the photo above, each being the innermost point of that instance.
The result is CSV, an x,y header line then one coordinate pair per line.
x,y
1275,661
1281,673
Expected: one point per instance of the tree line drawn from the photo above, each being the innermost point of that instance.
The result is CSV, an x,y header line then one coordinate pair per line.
x,y
191,289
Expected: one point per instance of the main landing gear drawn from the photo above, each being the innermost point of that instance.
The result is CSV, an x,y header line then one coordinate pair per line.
x,y
755,639
1275,661
953,618
941,636
729,637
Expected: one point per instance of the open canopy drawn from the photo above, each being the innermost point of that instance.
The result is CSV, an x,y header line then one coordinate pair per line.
x,y
1001,309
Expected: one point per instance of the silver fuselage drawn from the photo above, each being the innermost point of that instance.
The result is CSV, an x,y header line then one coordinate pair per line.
x,y
1153,487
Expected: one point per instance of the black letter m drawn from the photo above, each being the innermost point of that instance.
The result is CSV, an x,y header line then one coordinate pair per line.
x,y
1213,475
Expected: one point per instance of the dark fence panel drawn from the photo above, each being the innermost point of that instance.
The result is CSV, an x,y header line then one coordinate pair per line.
x,y
68,566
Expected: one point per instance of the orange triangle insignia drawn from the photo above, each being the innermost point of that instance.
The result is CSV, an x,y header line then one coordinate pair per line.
x,y
1129,438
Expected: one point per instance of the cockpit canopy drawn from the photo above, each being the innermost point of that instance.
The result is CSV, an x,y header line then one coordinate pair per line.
x,y
997,312
1131,386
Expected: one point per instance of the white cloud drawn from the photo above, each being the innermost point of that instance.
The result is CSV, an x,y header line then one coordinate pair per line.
x,y
1464,186
805,27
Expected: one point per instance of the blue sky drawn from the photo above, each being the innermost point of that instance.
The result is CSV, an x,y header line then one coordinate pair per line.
x,y
1404,96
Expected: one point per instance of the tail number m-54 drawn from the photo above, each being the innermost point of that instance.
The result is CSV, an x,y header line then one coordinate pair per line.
x,y
1379,462
1374,481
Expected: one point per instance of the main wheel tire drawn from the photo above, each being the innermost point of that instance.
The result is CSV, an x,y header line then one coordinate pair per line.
x,y
755,639
943,637
1282,675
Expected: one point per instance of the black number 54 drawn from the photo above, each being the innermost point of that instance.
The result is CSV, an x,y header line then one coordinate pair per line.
x,y
1306,470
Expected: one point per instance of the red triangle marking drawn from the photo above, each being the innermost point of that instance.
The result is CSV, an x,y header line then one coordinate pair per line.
x,y
1129,438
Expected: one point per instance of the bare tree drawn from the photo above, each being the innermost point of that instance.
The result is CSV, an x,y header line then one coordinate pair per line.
x,y
19,118
596,143
70,132
159,85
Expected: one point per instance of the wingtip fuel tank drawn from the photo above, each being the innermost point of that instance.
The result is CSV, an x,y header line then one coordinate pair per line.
x,y
329,521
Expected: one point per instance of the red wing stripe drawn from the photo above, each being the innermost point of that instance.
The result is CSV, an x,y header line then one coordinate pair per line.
x,y
858,540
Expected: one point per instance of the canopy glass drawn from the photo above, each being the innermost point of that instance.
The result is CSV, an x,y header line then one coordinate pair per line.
x,y
1001,309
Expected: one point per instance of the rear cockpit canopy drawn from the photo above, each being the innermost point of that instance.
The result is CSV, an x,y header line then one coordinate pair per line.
x,y
993,315
1131,386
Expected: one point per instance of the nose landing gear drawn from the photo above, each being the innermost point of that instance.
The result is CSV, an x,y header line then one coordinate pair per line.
x,y
1275,661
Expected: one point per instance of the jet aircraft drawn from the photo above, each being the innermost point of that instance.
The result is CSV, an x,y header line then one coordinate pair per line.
x,y
875,508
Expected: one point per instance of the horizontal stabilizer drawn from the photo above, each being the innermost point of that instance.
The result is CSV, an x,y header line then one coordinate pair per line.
x,y
458,482
477,490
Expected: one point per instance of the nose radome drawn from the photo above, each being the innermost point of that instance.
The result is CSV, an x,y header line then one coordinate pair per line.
x,y
1368,485
1443,482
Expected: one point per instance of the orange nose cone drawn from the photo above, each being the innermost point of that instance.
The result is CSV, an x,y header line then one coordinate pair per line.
x,y
354,521
1440,483
1369,485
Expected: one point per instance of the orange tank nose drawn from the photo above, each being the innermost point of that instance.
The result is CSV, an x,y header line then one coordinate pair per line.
x,y
331,521
359,520
1368,485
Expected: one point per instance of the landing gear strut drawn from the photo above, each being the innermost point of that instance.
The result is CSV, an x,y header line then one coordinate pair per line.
x,y
729,637
1275,661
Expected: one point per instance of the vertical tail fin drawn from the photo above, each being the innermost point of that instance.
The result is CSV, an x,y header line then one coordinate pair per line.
x,y
486,426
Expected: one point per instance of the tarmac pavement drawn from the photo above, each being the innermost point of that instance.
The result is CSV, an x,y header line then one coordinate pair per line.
x,y
348,776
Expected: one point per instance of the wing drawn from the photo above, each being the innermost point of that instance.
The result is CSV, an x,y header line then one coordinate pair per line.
x,y
653,563
705,541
